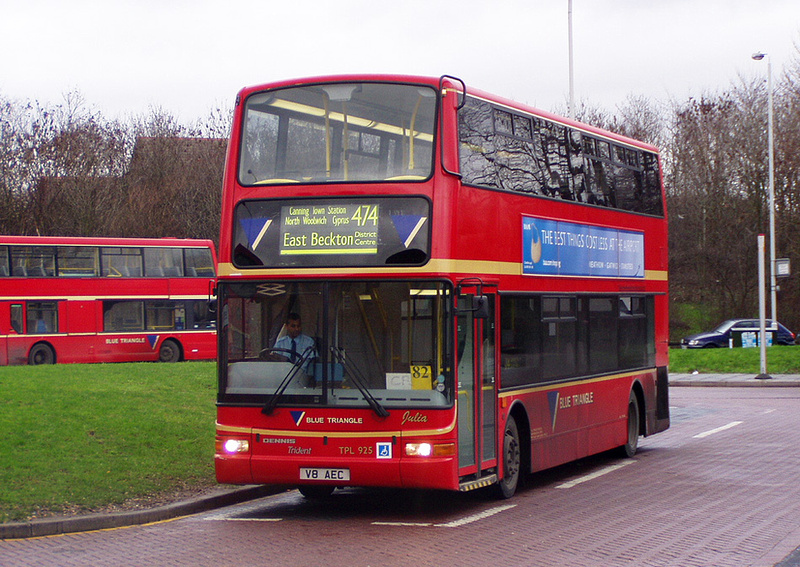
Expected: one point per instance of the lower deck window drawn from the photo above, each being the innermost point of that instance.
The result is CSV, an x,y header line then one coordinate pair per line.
x,y
123,316
545,338
42,317
157,315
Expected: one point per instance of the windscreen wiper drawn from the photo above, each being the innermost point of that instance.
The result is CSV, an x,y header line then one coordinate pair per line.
x,y
298,365
358,379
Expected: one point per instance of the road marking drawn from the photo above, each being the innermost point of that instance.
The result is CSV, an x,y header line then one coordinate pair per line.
x,y
404,524
476,517
717,430
595,474
455,523
228,519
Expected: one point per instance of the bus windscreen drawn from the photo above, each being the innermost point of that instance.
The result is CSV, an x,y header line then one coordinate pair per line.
x,y
338,132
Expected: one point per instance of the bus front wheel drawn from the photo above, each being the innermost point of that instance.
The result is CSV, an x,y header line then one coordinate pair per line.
x,y
511,460
169,351
41,354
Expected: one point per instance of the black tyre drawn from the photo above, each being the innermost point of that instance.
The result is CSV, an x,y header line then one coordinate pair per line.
x,y
316,492
511,460
169,351
629,448
41,354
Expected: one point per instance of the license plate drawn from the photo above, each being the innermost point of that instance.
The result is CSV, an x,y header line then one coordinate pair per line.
x,y
324,474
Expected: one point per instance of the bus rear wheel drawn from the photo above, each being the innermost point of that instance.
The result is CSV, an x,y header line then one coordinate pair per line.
x,y
169,351
41,354
511,460
629,448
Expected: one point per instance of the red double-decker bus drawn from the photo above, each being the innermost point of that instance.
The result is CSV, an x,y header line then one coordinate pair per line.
x,y
424,285
70,299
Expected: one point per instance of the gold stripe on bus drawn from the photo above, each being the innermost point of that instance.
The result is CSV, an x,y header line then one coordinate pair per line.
x,y
656,275
434,266
320,434
222,429
569,383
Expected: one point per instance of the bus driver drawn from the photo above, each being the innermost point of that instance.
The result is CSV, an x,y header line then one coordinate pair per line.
x,y
295,342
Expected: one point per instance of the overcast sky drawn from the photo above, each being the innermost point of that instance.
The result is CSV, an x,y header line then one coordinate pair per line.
x,y
187,56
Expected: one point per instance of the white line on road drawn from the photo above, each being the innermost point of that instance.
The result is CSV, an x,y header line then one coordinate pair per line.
x,y
454,523
403,524
476,517
717,430
595,474
229,519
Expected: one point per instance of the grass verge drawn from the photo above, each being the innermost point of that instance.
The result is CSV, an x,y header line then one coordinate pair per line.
x,y
86,436
780,360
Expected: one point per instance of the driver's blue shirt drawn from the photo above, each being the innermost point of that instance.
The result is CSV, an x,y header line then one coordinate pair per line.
x,y
302,342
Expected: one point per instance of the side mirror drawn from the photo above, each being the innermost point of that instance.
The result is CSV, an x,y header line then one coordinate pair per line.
x,y
480,306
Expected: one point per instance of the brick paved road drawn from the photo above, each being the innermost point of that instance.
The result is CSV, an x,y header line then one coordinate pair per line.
x,y
720,488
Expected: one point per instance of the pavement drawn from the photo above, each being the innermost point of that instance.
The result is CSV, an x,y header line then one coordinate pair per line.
x,y
92,522
228,497
737,380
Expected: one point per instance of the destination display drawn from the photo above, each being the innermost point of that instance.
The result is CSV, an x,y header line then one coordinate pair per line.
x,y
345,228
561,248
332,232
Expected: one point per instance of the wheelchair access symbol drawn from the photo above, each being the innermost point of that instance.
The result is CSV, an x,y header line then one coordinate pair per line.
x,y
384,450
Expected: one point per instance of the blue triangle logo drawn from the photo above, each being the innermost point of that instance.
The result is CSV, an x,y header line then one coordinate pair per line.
x,y
153,340
407,227
254,229
552,400
297,416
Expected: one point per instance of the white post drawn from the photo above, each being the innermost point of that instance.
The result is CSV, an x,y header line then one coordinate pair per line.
x,y
762,310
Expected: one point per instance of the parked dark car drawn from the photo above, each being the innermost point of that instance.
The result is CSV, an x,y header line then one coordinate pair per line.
x,y
721,336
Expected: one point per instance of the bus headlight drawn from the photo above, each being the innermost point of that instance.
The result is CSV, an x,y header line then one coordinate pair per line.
x,y
430,449
419,449
233,446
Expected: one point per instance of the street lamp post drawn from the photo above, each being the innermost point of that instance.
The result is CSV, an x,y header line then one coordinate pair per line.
x,y
772,283
571,69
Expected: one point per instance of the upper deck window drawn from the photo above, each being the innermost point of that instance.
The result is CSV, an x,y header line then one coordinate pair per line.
x,y
338,132
512,151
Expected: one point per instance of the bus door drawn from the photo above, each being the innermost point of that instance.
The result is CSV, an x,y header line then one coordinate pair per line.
x,y
477,384
16,343
5,331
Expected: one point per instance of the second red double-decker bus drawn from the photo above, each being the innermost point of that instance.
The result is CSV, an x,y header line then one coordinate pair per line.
x,y
423,285
70,299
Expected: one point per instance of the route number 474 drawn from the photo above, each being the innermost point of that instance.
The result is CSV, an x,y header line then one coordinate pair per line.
x,y
366,214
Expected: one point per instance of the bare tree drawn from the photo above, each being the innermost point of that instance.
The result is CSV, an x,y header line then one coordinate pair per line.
x,y
173,184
